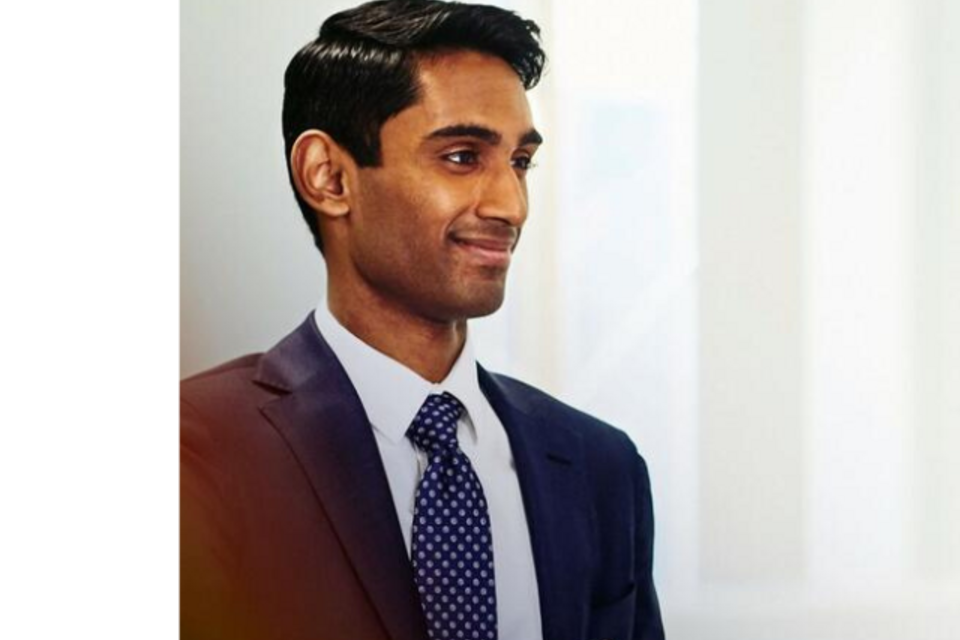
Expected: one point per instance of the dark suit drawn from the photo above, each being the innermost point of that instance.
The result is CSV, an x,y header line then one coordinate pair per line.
x,y
289,530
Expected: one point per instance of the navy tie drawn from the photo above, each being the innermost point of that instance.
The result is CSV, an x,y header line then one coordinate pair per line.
x,y
452,545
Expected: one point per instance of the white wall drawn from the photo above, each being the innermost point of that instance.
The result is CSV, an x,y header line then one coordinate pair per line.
x,y
828,375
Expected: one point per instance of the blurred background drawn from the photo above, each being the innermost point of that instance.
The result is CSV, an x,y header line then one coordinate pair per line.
x,y
742,250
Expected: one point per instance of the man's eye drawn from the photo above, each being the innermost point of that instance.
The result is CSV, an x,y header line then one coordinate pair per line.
x,y
523,163
464,157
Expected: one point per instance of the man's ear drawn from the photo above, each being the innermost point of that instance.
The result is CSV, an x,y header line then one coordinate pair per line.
x,y
320,168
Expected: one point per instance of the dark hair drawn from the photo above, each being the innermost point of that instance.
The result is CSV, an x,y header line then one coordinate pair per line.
x,y
362,69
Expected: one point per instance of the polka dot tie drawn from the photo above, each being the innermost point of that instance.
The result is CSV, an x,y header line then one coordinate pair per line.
x,y
452,544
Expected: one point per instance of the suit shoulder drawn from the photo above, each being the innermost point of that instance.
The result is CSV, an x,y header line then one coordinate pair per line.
x,y
243,363
218,387
588,427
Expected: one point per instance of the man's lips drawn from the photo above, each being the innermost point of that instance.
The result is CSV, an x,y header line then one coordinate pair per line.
x,y
489,250
490,244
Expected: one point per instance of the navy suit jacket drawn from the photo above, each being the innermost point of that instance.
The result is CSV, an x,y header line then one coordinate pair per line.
x,y
289,530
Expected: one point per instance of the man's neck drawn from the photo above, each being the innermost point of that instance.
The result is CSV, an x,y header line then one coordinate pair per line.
x,y
426,347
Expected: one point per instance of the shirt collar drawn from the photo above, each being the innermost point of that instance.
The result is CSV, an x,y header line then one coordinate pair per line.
x,y
390,392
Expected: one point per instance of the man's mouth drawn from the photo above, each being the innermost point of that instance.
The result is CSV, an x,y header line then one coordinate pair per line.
x,y
487,250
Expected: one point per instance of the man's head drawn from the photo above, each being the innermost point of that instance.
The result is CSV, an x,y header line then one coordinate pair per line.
x,y
408,136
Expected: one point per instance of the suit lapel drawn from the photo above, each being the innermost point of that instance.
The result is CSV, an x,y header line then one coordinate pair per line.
x,y
323,421
320,416
551,473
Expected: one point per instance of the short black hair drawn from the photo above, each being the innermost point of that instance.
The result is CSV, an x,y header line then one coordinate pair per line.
x,y
362,69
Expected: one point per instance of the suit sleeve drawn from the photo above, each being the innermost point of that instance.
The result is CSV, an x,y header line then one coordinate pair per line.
x,y
210,603
648,624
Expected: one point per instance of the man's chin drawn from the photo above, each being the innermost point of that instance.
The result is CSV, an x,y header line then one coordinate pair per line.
x,y
479,301
483,311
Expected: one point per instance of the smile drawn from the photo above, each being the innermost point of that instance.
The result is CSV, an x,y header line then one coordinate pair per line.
x,y
494,252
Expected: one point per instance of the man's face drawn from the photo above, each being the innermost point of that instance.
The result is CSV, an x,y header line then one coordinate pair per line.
x,y
432,229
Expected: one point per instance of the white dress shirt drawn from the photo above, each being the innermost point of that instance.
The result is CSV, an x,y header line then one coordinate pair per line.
x,y
391,395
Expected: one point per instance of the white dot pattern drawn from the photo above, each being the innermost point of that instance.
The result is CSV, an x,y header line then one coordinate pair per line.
x,y
452,543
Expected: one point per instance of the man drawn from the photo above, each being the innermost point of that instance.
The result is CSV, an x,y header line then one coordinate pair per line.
x,y
365,478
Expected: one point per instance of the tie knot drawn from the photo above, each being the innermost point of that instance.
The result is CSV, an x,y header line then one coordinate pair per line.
x,y
435,426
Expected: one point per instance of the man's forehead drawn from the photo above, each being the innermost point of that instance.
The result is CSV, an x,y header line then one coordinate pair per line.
x,y
466,87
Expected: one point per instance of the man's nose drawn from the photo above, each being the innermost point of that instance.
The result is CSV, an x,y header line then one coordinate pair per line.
x,y
504,197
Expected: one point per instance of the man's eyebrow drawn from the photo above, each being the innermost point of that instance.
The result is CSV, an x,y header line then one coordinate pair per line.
x,y
483,133
531,137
